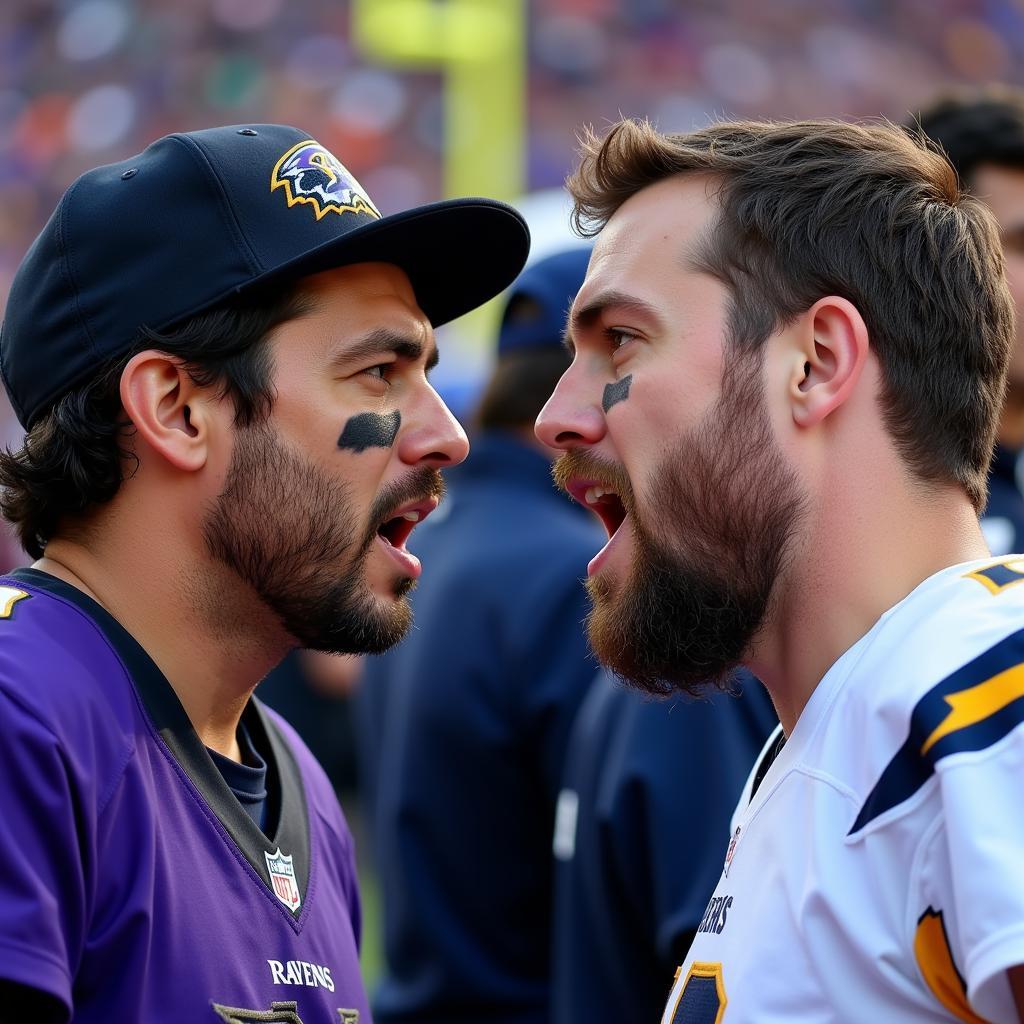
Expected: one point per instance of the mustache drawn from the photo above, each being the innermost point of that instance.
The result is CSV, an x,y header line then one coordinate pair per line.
x,y
579,463
425,482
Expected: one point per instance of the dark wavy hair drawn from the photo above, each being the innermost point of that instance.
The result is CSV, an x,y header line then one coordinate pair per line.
x,y
75,457
975,127
863,211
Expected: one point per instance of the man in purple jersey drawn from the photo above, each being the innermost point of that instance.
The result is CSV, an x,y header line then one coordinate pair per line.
x,y
219,350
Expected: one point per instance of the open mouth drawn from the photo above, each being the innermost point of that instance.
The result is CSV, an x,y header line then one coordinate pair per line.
x,y
395,531
602,501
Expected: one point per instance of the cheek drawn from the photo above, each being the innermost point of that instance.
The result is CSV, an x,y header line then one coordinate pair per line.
x,y
617,391
362,476
370,430
659,405
640,425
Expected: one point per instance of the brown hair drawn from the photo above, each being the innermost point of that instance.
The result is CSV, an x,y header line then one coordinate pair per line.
x,y
863,211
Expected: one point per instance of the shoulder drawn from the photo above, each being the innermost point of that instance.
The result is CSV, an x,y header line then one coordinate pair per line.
x,y
56,663
68,713
943,679
947,658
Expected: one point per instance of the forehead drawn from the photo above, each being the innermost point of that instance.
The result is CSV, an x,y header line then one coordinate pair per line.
x,y
349,301
648,240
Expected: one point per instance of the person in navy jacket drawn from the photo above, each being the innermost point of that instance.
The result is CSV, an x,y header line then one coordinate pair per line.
x,y
641,834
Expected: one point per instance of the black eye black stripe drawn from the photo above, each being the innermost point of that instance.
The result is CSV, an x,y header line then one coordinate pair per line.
x,y
617,391
370,430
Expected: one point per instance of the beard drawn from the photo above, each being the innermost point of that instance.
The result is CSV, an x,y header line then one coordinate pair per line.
x,y
287,529
700,585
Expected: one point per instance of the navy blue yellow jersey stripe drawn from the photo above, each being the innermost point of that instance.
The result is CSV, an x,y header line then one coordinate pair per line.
x,y
971,709
997,577
702,998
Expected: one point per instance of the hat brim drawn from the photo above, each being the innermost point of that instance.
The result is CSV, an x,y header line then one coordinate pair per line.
x,y
458,253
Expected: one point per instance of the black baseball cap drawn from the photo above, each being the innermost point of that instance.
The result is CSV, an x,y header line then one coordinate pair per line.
x,y
201,216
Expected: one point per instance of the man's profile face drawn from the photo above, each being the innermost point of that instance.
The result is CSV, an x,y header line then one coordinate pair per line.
x,y
1002,190
319,500
657,409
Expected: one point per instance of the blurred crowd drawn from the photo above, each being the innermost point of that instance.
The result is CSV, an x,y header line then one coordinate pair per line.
x,y
87,81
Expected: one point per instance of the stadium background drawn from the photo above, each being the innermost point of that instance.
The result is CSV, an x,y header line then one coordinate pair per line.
x,y
422,99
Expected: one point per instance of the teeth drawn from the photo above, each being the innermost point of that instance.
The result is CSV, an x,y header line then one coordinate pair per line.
x,y
594,494
413,517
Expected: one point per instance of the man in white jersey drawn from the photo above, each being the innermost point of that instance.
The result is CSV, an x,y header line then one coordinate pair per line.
x,y
789,356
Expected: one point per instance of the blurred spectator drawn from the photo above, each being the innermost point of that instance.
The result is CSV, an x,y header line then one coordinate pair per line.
x,y
982,133
86,81
463,726
312,691
642,831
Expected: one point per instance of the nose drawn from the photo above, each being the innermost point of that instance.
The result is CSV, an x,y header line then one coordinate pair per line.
x,y
432,436
572,416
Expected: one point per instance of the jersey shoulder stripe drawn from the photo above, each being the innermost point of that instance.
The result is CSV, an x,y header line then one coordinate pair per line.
x,y
9,597
969,710
1000,575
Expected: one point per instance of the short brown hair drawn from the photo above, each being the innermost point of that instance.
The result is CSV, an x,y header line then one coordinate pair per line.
x,y
863,211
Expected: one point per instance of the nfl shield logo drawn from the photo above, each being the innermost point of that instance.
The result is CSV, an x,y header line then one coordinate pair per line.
x,y
731,851
282,879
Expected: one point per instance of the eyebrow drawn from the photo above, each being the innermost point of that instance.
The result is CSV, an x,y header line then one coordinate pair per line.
x,y
586,315
382,341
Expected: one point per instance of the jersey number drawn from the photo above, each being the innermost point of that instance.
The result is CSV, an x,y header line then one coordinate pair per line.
x,y
279,1013
702,997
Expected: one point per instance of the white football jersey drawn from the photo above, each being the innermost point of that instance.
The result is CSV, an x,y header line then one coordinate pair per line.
x,y
877,873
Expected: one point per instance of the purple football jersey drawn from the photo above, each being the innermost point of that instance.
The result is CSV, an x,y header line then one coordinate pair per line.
x,y
135,888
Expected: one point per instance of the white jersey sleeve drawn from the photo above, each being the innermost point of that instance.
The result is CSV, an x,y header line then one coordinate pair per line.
x,y
970,880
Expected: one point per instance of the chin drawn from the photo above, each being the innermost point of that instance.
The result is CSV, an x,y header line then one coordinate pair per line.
x,y
394,590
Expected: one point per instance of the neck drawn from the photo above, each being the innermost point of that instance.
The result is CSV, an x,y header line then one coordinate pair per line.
x,y
203,635
852,563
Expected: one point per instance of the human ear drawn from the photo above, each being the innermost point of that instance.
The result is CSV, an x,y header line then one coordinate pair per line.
x,y
832,347
170,413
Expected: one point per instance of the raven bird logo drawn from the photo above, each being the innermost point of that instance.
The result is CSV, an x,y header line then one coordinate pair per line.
x,y
308,173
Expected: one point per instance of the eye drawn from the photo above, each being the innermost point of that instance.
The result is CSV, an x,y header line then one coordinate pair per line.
x,y
619,337
379,372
